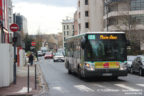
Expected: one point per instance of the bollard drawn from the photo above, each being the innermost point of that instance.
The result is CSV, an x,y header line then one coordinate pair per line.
x,y
35,77
28,80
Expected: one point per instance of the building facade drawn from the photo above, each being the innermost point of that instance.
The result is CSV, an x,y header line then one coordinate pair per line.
x,y
6,19
67,28
90,15
127,16
21,21
76,31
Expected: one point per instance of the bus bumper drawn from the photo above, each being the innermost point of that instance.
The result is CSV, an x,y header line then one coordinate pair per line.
x,y
105,73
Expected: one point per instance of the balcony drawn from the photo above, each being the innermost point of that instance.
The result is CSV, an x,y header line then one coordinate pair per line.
x,y
112,1
123,13
123,27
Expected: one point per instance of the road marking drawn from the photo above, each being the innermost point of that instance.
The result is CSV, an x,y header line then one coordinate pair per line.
x,y
98,85
83,88
141,85
105,89
126,87
59,89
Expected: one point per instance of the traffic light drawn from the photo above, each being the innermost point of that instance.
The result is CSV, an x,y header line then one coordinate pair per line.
x,y
14,39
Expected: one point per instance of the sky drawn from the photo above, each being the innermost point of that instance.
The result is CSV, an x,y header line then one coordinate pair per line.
x,y
45,15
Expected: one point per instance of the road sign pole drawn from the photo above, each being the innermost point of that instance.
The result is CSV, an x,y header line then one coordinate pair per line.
x,y
14,28
15,57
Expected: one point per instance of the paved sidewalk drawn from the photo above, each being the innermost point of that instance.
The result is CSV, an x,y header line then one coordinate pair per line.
x,y
20,89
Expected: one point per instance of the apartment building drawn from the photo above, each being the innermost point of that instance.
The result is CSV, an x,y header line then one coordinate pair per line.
x,y
6,19
67,28
90,15
127,16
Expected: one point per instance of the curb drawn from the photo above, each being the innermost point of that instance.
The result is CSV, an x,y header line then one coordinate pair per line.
x,y
42,80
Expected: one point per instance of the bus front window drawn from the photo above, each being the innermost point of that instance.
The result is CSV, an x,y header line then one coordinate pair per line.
x,y
105,50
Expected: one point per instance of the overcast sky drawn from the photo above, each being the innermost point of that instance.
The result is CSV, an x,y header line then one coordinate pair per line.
x,y
45,15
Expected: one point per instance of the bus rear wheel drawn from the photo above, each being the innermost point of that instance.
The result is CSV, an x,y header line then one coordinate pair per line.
x,y
69,70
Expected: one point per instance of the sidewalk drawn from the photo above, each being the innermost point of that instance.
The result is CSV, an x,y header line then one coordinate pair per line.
x,y
20,89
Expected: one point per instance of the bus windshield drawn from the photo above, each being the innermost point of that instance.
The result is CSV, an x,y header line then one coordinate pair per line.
x,y
104,49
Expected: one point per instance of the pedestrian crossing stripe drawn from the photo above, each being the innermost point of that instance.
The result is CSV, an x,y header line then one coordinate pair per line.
x,y
84,88
126,87
101,88
141,85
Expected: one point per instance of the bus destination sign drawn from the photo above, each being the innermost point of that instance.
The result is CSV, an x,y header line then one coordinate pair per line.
x,y
111,37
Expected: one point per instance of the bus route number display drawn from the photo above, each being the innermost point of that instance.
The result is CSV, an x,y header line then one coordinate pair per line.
x,y
91,37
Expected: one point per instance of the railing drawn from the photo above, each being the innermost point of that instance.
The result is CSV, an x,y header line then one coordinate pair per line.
x,y
107,2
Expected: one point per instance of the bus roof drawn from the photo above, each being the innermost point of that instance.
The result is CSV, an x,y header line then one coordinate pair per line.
x,y
96,33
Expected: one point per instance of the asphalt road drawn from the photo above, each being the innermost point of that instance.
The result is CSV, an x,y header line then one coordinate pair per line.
x,y
60,83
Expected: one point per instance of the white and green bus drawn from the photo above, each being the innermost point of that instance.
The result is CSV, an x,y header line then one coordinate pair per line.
x,y
97,54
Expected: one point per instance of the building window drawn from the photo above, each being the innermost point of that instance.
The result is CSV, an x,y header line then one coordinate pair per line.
x,y
67,27
67,32
64,38
137,4
64,33
86,25
79,15
79,27
79,3
86,13
137,19
112,21
64,27
86,2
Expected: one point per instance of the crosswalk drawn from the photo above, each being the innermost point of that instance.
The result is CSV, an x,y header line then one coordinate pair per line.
x,y
101,88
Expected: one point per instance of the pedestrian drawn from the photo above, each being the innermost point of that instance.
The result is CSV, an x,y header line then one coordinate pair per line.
x,y
31,58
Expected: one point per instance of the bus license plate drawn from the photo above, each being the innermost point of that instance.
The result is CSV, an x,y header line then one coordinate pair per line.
x,y
107,74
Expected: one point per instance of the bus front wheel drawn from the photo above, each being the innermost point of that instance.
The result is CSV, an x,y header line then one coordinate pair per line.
x,y
81,74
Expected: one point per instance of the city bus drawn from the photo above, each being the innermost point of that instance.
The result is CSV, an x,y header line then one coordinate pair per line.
x,y
95,54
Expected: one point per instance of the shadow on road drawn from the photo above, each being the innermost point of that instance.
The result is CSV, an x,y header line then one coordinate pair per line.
x,y
100,79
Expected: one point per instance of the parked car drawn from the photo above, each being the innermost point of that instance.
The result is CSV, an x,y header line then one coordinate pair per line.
x,y
130,59
59,57
48,55
40,53
138,65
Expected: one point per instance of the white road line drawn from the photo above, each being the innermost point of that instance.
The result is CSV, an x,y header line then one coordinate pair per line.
x,y
60,89
127,87
141,85
83,88
98,85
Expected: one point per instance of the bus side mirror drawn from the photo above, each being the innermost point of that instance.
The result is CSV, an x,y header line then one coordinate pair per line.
x,y
83,42
128,43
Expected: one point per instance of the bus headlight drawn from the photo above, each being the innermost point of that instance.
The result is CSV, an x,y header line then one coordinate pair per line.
x,y
89,67
123,67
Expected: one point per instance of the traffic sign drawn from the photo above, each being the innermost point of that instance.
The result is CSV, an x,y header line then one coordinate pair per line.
x,y
14,27
33,43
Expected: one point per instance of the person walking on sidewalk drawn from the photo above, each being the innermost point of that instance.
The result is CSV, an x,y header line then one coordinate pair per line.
x,y
31,58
